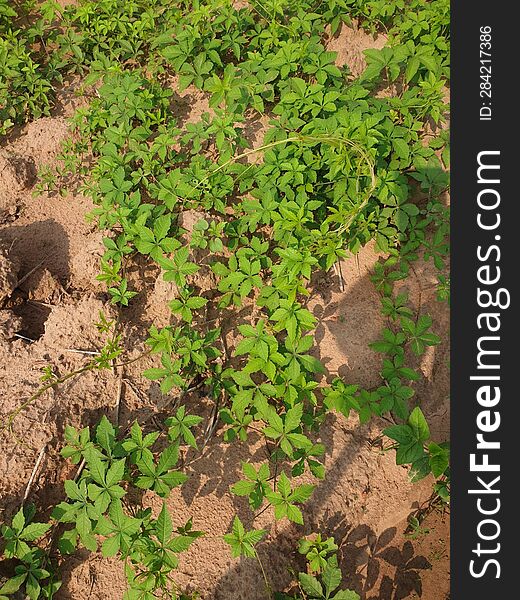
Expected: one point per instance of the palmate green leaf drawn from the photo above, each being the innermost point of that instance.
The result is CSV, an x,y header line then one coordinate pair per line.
x,y
102,496
394,308
243,543
410,438
180,426
137,445
391,343
389,58
178,268
22,531
418,333
121,294
169,373
285,498
293,318
341,397
283,430
255,486
120,530
160,478
186,304
77,442
295,189
395,369
257,341
394,398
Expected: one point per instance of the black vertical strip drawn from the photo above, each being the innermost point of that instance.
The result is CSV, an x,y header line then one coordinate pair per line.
x,y
471,135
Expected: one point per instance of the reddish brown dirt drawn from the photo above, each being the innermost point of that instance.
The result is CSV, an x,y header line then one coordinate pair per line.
x,y
349,43
364,500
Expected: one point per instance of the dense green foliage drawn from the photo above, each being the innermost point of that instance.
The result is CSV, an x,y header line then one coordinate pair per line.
x,y
340,165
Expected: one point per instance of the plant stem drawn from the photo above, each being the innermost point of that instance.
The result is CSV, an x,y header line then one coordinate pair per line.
x,y
12,416
301,138
266,581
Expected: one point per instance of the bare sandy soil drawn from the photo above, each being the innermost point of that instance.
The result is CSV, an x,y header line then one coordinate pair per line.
x,y
48,293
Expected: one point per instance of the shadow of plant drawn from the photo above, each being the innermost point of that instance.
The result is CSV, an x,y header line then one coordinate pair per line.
x,y
364,557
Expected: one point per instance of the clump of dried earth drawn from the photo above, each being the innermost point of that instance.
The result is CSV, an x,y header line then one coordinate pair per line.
x,y
49,302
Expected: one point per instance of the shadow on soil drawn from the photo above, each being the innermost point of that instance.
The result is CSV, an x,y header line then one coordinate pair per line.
x,y
348,323
374,565
42,247
364,559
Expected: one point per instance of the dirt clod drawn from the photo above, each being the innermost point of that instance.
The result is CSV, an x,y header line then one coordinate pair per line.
x,y
10,324
17,173
42,286
9,267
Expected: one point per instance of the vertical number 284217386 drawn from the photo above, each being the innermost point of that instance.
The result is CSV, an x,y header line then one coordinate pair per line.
x,y
485,48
